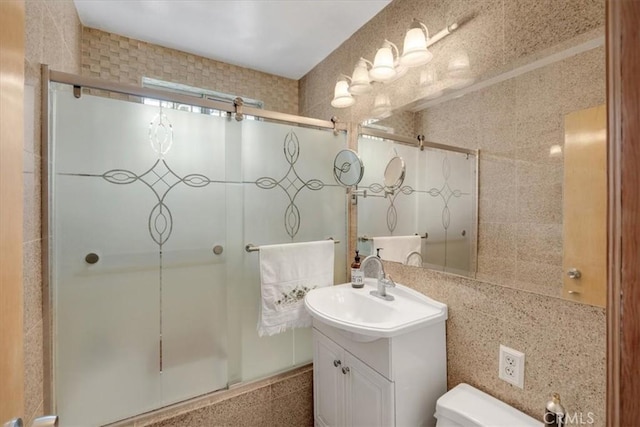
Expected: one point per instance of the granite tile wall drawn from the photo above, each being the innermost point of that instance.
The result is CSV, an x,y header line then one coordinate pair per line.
x,y
52,32
117,58
515,300
284,400
564,342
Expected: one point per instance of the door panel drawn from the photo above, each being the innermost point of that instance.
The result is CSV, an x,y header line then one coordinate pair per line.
x,y
140,294
369,396
11,146
328,387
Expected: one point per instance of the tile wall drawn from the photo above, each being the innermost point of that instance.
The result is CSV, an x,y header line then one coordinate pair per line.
x,y
117,58
52,33
515,300
564,342
284,400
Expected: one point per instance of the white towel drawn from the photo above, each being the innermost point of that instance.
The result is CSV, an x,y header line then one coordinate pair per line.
x,y
397,248
287,273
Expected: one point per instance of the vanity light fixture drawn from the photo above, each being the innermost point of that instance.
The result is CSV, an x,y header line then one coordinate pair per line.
x,y
388,66
415,52
360,82
341,96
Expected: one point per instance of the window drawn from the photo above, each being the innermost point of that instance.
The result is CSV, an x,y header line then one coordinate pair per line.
x,y
196,93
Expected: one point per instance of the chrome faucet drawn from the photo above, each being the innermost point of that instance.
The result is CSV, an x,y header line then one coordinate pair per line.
x,y
383,280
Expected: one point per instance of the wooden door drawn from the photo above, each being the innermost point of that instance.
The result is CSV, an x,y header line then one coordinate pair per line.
x,y
623,308
585,206
11,146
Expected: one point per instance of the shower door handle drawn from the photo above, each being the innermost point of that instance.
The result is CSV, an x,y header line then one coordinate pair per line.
x,y
16,422
46,421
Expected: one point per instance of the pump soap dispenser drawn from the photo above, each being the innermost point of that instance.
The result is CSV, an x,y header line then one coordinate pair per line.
x,y
357,275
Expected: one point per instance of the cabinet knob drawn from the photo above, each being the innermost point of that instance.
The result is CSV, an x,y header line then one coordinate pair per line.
x,y
345,370
337,363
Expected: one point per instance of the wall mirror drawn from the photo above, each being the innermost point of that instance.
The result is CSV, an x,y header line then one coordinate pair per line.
x,y
348,168
538,124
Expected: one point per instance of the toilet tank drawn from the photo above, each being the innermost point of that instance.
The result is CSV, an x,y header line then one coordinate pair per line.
x,y
466,406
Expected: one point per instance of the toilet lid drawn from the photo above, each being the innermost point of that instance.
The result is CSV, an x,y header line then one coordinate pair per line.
x,y
471,407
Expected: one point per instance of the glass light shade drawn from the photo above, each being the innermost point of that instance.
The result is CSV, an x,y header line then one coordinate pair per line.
x,y
341,96
401,70
360,82
383,65
415,52
428,76
381,105
459,65
459,71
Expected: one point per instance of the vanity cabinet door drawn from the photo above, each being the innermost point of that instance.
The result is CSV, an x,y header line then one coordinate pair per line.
x,y
369,395
328,382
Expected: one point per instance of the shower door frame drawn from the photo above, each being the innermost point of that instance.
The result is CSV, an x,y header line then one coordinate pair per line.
x,y
78,83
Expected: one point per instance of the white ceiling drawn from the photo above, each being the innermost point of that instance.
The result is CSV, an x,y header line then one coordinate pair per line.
x,y
283,37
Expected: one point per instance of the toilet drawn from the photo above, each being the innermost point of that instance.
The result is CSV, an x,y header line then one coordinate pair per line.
x,y
466,406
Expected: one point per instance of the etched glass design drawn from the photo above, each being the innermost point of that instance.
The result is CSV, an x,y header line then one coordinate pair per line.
x,y
152,196
290,195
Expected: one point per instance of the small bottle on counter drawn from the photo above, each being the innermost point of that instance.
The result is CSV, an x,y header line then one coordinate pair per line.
x,y
357,275
554,412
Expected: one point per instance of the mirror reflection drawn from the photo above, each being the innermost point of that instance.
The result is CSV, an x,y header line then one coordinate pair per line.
x,y
429,220
537,125
394,173
348,168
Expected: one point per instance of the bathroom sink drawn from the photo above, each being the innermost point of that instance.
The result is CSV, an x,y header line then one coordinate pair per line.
x,y
356,311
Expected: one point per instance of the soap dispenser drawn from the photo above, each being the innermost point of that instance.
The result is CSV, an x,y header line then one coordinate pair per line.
x,y
357,275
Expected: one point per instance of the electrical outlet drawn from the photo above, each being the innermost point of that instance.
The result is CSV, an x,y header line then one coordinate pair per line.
x,y
511,366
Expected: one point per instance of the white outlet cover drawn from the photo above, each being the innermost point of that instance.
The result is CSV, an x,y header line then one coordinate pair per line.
x,y
511,366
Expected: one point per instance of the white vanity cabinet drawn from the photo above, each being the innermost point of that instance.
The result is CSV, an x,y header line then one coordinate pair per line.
x,y
347,391
368,382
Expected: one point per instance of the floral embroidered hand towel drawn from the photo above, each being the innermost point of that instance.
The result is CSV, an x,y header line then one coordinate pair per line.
x,y
287,273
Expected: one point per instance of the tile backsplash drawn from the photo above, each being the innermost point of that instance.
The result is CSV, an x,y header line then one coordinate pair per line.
x,y
515,299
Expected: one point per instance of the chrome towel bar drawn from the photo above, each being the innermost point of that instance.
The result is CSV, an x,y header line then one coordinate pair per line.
x,y
367,238
253,248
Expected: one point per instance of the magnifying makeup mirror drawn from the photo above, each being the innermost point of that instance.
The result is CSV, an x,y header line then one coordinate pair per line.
x,y
348,168
394,173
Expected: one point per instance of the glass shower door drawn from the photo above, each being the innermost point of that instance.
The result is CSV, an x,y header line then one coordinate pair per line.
x,y
139,293
290,195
